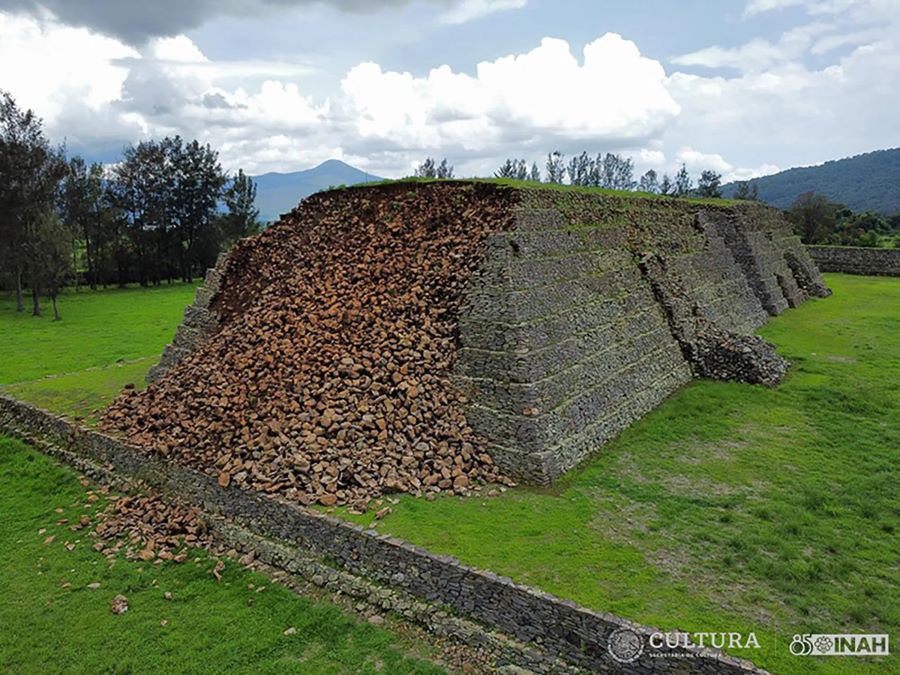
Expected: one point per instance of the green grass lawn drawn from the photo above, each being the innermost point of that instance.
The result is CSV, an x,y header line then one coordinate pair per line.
x,y
106,339
52,622
731,507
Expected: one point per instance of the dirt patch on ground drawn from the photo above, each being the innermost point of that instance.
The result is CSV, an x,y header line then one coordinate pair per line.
x,y
839,359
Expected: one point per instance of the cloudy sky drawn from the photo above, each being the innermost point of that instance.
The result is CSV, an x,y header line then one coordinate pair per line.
x,y
744,87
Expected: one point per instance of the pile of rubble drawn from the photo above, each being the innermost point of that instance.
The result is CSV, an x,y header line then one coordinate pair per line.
x,y
148,528
328,379
720,355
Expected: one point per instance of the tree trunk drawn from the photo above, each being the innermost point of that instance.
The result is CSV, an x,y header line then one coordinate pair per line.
x,y
56,316
91,262
181,259
20,298
36,301
74,268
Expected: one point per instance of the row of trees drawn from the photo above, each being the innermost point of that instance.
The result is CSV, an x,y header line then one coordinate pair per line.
x,y
610,171
817,220
163,213
613,172
430,168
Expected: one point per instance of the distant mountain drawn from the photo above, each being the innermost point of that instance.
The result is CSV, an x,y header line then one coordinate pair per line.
x,y
869,182
278,193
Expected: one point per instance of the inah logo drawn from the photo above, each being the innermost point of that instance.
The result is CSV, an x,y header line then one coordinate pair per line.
x,y
625,645
832,644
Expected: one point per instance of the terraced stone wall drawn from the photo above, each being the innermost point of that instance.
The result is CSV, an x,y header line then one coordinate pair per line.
x,y
594,309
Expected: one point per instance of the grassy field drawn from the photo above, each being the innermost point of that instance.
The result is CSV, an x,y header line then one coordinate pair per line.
x,y
105,340
731,507
54,622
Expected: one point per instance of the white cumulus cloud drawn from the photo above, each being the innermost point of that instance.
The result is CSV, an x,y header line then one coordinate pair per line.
x,y
697,162
47,66
614,95
825,89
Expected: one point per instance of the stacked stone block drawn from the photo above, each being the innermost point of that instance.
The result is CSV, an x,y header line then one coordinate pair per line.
x,y
199,322
562,344
773,259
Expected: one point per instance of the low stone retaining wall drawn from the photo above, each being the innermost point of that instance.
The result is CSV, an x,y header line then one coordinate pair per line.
x,y
557,628
857,260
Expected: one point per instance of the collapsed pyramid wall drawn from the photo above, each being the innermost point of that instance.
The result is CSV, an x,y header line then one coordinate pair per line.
x,y
569,316
325,378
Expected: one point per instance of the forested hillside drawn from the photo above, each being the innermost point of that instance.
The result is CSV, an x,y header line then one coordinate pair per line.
x,y
869,182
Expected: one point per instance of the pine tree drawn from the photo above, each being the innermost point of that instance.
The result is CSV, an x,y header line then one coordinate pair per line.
x,y
649,182
427,169
556,170
747,190
82,208
444,170
666,187
521,170
242,217
52,258
683,183
30,175
710,184
507,170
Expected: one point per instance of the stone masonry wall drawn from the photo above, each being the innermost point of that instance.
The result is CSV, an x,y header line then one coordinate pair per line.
x,y
857,260
562,345
595,309
199,322
557,627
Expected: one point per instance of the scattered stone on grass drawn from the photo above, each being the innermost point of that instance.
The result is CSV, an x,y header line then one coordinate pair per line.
x,y
148,529
119,605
